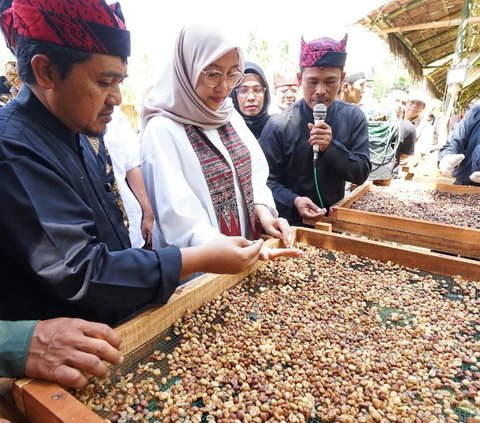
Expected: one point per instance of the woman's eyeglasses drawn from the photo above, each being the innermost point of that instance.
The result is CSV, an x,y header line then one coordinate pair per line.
x,y
213,78
245,91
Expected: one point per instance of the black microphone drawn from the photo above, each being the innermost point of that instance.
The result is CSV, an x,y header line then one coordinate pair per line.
x,y
319,115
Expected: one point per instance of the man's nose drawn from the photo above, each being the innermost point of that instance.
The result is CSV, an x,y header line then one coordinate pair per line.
x,y
320,88
114,98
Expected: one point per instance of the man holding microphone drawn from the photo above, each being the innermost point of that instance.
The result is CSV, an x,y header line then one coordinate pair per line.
x,y
302,188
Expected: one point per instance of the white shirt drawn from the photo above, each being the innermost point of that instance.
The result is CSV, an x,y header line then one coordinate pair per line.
x,y
177,188
124,148
424,142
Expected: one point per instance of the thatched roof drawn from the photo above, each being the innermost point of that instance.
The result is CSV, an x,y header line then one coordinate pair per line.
x,y
423,33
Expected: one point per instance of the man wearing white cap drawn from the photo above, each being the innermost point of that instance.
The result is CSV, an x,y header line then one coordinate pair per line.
x,y
413,112
353,87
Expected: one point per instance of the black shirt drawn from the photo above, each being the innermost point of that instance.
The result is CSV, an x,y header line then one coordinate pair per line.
x,y
284,141
64,250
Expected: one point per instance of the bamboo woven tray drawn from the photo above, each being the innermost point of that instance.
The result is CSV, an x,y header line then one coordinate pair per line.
x,y
435,236
43,402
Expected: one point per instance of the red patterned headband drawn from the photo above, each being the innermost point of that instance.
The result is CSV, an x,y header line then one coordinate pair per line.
x,y
88,25
323,52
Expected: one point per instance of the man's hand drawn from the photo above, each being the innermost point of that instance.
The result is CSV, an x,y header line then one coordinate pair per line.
x,y
67,351
307,209
147,230
320,134
450,162
475,177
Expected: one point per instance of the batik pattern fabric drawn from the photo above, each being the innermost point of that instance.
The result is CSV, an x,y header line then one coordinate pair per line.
x,y
105,163
323,52
220,179
89,25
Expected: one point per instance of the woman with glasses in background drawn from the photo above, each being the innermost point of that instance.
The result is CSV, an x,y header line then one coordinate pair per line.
x,y
252,98
204,170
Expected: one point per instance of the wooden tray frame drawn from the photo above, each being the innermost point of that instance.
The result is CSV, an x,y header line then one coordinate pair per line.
x,y
440,237
44,402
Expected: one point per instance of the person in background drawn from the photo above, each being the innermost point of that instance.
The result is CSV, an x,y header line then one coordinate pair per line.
x,y
352,88
460,156
62,350
124,148
303,189
383,131
396,102
73,258
384,137
252,98
287,89
193,135
413,113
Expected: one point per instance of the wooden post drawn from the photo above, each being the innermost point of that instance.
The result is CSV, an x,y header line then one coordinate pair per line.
x,y
453,89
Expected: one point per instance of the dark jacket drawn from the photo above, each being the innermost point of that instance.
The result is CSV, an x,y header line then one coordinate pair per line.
x,y
284,141
465,139
64,250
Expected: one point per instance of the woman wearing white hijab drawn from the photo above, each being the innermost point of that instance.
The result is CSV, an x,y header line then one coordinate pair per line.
x,y
204,171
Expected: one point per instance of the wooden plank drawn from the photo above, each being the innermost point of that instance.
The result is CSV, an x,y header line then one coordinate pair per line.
x,y
357,193
8,410
452,239
431,25
323,220
457,189
46,402
411,227
432,262
325,227
456,247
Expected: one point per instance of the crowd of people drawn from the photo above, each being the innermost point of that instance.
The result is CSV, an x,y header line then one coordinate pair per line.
x,y
97,223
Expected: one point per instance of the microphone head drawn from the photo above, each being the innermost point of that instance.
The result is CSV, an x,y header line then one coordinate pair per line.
x,y
319,112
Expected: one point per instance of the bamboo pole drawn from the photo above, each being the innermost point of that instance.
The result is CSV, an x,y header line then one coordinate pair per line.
x,y
433,25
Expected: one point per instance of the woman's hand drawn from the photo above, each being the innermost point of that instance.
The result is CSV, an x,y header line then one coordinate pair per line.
x,y
278,227
225,254
267,253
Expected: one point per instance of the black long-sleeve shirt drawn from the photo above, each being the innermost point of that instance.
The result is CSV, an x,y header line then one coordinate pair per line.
x,y
64,250
284,141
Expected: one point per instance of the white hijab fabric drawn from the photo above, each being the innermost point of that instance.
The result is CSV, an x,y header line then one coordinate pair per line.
x,y
174,96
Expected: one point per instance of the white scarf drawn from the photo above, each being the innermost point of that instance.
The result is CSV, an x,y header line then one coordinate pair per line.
x,y
174,96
